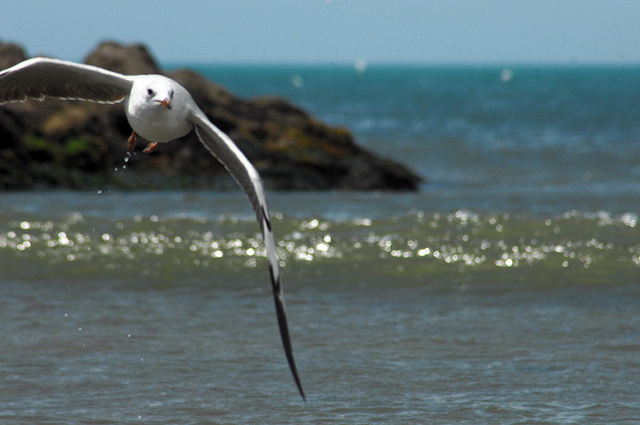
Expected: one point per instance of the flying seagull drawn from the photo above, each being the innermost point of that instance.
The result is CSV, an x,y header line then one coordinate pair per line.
x,y
160,110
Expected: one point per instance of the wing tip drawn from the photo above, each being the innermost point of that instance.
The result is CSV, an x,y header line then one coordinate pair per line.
x,y
284,330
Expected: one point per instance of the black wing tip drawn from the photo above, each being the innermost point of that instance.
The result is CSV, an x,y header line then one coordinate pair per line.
x,y
284,332
288,349
304,398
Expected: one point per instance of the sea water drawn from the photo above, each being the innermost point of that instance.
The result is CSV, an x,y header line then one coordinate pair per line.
x,y
506,290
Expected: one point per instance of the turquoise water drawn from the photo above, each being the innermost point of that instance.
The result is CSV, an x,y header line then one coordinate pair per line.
x,y
566,136
505,291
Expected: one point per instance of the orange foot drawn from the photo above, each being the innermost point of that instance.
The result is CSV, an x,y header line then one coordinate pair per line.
x,y
131,143
151,147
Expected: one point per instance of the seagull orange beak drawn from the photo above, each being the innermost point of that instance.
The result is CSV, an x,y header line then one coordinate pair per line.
x,y
166,103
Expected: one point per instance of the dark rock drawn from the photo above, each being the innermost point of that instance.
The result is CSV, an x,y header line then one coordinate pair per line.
x,y
129,59
57,142
11,54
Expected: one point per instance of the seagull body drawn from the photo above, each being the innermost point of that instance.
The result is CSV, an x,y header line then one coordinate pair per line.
x,y
160,110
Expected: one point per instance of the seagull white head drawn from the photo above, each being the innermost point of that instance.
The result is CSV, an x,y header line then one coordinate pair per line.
x,y
161,92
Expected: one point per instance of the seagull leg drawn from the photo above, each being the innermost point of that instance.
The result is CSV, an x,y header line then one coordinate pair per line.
x,y
151,147
131,143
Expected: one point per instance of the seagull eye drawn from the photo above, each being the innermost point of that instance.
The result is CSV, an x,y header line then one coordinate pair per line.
x,y
151,92
171,94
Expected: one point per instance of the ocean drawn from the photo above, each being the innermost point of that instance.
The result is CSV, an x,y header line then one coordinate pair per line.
x,y
505,291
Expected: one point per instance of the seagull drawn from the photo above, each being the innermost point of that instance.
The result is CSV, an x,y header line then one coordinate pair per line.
x,y
160,110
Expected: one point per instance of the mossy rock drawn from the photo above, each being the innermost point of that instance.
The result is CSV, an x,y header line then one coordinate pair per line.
x,y
40,149
87,154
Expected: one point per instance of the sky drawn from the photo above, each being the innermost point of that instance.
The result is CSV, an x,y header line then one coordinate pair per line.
x,y
501,32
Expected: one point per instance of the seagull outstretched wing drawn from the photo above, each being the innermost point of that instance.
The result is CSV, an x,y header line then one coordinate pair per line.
x,y
38,78
223,148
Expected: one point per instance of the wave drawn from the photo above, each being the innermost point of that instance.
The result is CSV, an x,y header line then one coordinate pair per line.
x,y
461,249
